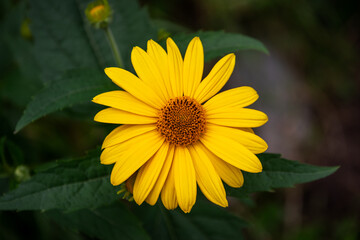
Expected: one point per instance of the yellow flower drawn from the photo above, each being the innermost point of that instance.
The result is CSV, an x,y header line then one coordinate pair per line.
x,y
177,133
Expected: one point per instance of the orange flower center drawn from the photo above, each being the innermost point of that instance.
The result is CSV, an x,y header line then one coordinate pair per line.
x,y
181,121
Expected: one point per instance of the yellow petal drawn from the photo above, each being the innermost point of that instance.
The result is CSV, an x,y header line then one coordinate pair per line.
x,y
149,173
236,97
168,193
110,155
193,67
126,102
231,152
159,56
175,68
206,176
126,132
231,175
155,192
249,140
238,117
185,179
134,153
147,71
116,116
216,79
133,85
116,152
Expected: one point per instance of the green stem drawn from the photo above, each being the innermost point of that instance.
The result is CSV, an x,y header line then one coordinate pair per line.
x,y
114,47
6,166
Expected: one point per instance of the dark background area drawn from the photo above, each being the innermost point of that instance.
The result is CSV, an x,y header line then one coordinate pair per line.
x,y
309,87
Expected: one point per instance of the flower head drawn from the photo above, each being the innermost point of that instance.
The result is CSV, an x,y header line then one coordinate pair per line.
x,y
177,133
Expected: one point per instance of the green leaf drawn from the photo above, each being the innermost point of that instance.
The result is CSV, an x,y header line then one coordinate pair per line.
x,y
74,87
60,41
217,44
108,223
15,49
279,173
69,185
69,42
205,221
17,86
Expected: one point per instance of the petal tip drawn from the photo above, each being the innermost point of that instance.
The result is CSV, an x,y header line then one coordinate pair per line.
x,y
225,203
135,50
150,202
96,117
108,69
169,39
138,200
113,181
259,169
186,210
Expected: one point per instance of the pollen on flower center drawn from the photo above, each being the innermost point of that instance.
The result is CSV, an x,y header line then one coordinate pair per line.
x,y
181,121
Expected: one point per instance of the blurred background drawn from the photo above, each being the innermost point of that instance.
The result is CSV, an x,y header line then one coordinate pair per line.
x,y
308,85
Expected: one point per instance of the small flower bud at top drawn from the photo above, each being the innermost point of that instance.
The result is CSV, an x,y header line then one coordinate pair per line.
x,y
98,13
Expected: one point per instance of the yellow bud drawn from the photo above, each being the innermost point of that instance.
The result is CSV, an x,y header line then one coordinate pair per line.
x,y
98,13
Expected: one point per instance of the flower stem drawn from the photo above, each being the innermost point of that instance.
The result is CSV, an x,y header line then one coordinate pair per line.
x,y
114,47
9,170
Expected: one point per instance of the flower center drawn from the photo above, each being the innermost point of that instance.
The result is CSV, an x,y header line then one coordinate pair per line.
x,y
181,121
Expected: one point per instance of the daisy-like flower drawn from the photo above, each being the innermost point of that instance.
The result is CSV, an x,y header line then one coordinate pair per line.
x,y
177,133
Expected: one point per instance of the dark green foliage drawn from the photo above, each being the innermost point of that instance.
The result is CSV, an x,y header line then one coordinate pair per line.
x,y
67,185
61,44
112,222
205,221
278,173
74,87
217,44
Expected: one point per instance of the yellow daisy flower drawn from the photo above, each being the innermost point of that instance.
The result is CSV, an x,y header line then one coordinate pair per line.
x,y
176,132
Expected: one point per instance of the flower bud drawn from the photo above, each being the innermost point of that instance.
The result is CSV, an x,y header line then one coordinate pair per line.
x,y
98,13
22,173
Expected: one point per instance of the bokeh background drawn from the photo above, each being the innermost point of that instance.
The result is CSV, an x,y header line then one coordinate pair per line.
x,y
308,85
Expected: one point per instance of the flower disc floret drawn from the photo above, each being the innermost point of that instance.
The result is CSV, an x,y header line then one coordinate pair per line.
x,y
181,121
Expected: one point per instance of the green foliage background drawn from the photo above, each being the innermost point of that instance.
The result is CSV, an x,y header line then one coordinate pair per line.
x,y
60,67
